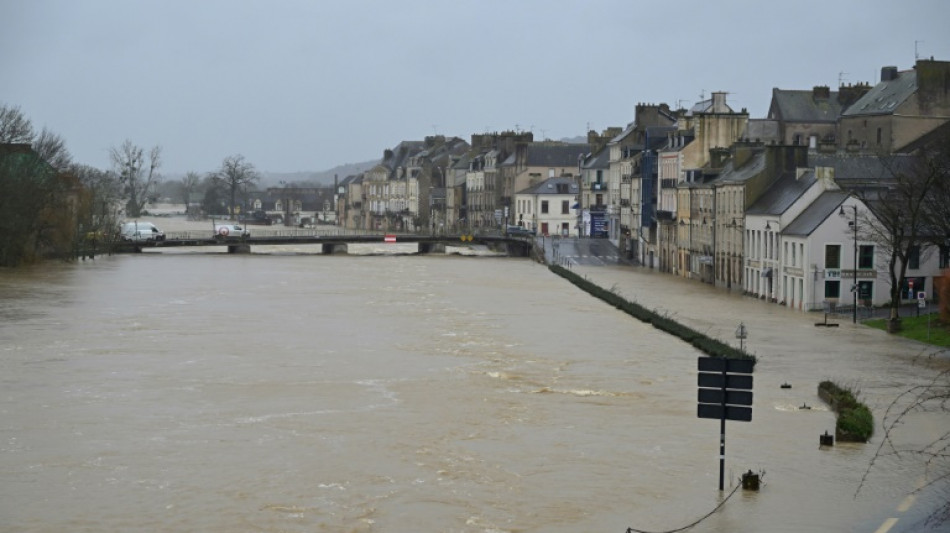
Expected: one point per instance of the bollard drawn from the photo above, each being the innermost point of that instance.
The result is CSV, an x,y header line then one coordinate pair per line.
x,y
826,439
750,481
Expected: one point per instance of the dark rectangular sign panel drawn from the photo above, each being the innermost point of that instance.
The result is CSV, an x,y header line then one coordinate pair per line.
x,y
733,412
733,397
732,381
718,364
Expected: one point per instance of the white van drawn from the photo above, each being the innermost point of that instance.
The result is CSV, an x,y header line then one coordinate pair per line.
x,y
139,231
230,231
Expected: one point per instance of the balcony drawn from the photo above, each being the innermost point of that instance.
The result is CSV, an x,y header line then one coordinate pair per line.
x,y
598,186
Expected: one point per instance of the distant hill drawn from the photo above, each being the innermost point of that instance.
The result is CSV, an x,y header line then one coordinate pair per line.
x,y
324,177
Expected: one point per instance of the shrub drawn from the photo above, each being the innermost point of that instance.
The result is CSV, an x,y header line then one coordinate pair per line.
x,y
708,345
855,422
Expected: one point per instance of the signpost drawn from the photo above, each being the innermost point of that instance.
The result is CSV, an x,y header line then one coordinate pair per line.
x,y
725,392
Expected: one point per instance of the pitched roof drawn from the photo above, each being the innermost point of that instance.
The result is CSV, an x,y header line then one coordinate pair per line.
x,y
783,193
886,96
804,106
753,167
816,213
851,169
550,186
600,160
557,155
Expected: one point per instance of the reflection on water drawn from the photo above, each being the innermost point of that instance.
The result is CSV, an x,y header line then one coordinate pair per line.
x,y
209,392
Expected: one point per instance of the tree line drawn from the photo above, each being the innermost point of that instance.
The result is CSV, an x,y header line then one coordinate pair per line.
x,y
52,206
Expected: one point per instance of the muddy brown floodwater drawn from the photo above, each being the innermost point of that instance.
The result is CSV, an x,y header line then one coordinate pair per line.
x,y
299,392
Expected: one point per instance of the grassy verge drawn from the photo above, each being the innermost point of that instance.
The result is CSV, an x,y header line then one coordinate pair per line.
x,y
855,422
704,343
918,329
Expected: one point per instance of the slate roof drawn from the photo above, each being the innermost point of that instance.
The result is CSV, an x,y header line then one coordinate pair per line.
x,y
623,134
816,213
752,168
802,106
549,186
863,168
600,160
885,97
559,155
783,193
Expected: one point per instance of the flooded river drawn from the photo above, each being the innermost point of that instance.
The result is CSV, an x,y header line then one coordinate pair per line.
x,y
274,392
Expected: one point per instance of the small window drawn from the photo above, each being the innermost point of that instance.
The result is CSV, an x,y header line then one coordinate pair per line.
x,y
832,256
544,206
879,136
832,289
866,256
913,258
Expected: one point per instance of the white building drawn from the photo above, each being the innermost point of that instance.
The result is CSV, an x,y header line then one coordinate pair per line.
x,y
548,208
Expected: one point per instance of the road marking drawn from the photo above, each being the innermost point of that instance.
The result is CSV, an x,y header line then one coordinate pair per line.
x,y
887,525
905,505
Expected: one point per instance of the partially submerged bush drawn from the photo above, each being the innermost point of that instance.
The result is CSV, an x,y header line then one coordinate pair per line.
x,y
855,422
704,343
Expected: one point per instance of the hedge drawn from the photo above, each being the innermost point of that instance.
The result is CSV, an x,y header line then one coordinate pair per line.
x,y
855,422
700,341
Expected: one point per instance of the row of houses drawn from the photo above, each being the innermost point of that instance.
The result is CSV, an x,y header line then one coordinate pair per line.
x,y
753,204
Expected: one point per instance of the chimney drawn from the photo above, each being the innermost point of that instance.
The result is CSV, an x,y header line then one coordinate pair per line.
x,y
933,82
888,73
743,150
821,92
849,94
719,103
718,157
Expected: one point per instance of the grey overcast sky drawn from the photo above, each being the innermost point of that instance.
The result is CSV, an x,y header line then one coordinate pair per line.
x,y
307,85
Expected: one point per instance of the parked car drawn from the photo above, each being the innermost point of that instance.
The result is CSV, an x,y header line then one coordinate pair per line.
x,y
139,231
230,231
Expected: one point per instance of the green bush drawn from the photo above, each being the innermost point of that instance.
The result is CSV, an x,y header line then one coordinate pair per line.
x,y
708,345
855,422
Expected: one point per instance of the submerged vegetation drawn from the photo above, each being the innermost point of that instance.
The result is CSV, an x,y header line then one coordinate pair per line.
x,y
855,422
702,342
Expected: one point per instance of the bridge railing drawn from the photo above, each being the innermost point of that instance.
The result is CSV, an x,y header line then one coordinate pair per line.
x,y
269,232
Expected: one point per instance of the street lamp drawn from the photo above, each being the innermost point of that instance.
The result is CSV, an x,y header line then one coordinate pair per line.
x,y
741,334
854,286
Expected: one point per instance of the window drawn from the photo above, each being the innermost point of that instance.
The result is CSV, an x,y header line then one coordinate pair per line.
x,y
913,258
565,207
944,257
832,289
879,136
544,206
866,256
600,200
832,256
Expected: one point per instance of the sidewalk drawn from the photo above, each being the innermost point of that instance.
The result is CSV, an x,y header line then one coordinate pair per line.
x,y
786,342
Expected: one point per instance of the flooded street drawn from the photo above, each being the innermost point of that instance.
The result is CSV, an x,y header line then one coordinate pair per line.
x,y
277,392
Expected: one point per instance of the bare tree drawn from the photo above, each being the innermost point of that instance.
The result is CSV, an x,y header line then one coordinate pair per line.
x,y
935,158
136,173
52,148
188,186
897,222
235,173
934,454
14,126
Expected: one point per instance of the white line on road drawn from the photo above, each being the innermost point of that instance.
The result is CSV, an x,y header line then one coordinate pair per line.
x,y
887,525
905,505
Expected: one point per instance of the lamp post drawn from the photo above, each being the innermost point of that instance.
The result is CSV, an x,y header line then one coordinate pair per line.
x,y
741,334
854,286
